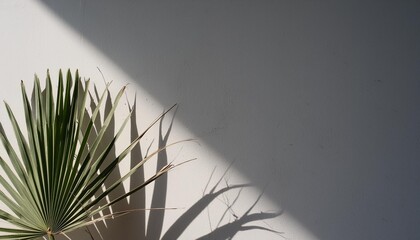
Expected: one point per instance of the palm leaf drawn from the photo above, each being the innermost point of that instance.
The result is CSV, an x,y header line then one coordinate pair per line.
x,y
53,178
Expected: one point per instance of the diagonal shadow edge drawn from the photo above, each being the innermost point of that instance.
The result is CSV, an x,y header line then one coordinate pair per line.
x,y
74,16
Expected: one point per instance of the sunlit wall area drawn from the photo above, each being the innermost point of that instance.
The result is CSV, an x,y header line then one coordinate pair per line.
x,y
304,114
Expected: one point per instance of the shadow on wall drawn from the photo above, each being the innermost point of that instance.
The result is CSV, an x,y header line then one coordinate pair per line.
x,y
314,97
229,230
134,224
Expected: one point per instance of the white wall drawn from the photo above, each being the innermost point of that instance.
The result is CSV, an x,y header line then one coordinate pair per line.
x,y
315,102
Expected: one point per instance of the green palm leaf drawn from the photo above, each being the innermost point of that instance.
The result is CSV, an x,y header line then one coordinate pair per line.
x,y
53,179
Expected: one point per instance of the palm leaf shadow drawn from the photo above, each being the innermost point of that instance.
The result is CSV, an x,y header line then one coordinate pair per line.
x,y
111,229
134,224
228,230
156,217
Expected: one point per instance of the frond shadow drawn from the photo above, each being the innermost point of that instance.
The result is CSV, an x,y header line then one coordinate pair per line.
x,y
228,230
133,224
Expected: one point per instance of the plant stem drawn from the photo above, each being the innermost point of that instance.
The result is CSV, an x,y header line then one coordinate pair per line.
x,y
51,237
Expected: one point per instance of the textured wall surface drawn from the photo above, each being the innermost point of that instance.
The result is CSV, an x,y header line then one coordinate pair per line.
x,y
316,103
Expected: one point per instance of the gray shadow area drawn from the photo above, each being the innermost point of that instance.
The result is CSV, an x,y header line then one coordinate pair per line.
x,y
317,98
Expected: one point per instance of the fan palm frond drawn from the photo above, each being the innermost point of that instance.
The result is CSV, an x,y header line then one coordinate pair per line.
x,y
54,178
